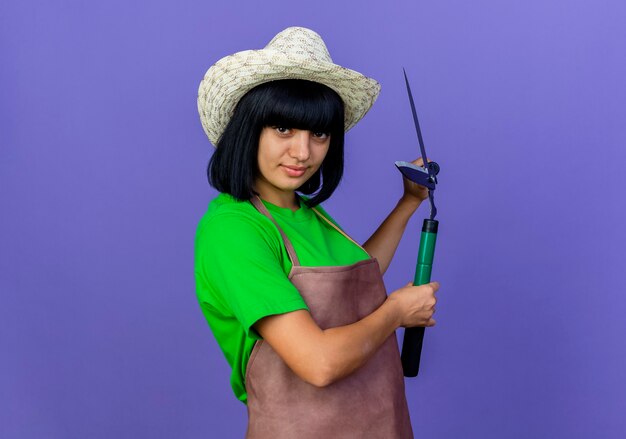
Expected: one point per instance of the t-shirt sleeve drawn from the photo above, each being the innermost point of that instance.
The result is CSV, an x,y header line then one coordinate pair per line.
x,y
241,260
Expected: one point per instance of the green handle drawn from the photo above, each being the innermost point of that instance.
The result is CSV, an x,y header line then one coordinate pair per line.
x,y
425,258
414,337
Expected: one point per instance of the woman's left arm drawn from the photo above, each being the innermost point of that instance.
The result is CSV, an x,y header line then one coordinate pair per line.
x,y
383,243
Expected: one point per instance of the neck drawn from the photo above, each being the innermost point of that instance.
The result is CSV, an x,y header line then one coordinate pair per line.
x,y
284,200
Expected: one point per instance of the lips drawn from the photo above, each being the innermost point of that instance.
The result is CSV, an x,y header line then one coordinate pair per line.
x,y
294,171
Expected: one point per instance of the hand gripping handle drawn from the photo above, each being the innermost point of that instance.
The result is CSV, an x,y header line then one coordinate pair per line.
x,y
413,337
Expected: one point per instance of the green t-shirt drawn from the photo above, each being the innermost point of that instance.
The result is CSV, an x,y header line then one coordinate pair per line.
x,y
241,269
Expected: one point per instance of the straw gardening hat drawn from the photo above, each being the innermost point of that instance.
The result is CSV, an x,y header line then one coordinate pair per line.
x,y
294,53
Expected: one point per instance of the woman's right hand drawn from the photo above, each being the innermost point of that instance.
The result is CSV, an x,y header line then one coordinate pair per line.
x,y
415,305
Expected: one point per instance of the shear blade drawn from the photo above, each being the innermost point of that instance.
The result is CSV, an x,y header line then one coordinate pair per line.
x,y
416,174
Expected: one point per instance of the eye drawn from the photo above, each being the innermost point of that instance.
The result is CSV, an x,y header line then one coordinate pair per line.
x,y
281,130
321,135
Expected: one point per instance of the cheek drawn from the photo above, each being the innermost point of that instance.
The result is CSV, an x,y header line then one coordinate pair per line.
x,y
270,155
322,153
267,163
264,156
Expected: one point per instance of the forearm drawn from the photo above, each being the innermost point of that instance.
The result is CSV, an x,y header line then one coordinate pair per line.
x,y
348,347
321,357
383,243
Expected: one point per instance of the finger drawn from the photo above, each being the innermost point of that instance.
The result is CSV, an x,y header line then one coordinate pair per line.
x,y
420,161
431,322
435,286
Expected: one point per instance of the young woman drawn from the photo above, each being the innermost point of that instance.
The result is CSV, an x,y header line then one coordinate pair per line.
x,y
298,307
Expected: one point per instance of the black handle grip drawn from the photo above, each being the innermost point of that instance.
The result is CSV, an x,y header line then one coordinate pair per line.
x,y
412,350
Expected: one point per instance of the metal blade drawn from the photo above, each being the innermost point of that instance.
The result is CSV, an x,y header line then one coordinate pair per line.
x,y
416,174
417,124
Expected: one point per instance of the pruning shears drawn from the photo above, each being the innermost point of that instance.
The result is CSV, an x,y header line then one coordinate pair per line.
x,y
426,176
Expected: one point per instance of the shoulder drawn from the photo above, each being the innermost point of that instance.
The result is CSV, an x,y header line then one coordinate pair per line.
x,y
226,211
234,223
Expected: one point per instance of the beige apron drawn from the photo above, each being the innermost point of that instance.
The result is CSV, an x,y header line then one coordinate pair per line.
x,y
369,403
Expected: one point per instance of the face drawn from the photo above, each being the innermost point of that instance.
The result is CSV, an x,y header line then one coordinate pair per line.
x,y
287,158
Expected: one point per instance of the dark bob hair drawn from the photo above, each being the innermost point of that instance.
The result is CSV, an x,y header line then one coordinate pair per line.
x,y
291,103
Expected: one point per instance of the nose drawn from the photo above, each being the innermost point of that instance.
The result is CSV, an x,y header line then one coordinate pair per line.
x,y
300,145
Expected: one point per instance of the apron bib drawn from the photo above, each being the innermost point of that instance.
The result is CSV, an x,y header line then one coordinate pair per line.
x,y
369,403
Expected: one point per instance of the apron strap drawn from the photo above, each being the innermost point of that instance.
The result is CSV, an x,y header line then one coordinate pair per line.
x,y
256,201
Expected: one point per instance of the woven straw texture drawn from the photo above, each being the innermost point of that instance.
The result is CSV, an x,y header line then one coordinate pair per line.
x,y
294,53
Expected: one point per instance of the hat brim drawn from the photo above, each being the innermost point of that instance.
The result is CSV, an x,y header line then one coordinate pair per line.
x,y
226,82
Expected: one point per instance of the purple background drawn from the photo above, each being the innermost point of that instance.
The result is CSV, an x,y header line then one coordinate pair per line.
x,y
102,183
